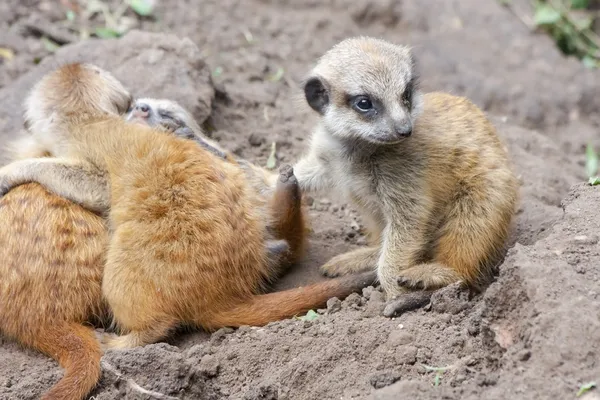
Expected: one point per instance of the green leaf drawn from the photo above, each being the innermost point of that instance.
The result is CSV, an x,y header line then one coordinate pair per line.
x,y
579,4
106,33
586,387
49,44
6,53
589,62
436,369
310,315
142,7
70,15
591,161
436,380
272,160
594,181
546,15
277,75
217,72
94,6
583,23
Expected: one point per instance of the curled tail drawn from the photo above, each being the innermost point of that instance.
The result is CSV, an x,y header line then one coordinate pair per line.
x,y
259,310
77,350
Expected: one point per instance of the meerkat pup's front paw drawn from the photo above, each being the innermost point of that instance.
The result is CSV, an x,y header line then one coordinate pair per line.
x,y
429,276
359,260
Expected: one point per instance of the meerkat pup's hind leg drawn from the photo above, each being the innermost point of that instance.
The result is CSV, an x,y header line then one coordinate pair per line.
x,y
286,214
468,245
358,260
135,338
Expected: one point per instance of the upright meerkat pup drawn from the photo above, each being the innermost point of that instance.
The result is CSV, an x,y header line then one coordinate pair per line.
x,y
187,243
427,172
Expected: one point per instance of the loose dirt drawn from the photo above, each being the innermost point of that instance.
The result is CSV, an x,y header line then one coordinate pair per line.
x,y
533,334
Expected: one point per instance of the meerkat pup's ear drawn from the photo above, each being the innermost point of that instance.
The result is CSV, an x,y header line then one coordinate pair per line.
x,y
316,91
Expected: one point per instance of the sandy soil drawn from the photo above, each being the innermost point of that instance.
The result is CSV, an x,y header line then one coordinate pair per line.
x,y
533,334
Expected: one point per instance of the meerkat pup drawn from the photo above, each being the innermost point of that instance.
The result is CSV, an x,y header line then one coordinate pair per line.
x,y
186,243
53,254
427,172
277,193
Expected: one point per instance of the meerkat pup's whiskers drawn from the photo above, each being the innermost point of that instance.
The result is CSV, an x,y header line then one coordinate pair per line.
x,y
426,171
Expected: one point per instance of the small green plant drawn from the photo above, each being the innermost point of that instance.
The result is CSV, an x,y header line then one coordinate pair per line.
x,y
276,77
571,27
591,165
272,160
586,387
143,8
310,315
439,371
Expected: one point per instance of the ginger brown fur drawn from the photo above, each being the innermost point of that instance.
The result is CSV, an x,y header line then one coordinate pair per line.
x,y
278,194
52,254
427,172
62,233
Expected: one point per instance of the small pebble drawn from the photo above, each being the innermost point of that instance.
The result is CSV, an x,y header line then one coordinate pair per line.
x,y
406,354
209,366
400,338
383,379
583,239
255,140
333,305
524,355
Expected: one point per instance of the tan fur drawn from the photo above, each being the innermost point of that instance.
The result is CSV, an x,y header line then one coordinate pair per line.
x,y
187,261
427,172
52,254
277,194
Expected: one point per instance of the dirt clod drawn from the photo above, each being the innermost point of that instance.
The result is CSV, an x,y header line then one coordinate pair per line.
x,y
383,379
238,67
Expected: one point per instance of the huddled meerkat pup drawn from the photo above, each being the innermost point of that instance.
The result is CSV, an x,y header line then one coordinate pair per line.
x,y
277,193
427,172
54,250
53,253
187,245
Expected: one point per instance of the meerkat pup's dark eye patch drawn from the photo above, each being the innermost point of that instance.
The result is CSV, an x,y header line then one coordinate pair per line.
x,y
363,104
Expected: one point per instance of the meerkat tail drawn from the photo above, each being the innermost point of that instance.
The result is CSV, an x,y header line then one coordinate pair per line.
x,y
77,350
262,309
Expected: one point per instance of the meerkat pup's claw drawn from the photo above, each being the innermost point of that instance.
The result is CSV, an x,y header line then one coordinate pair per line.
x,y
427,172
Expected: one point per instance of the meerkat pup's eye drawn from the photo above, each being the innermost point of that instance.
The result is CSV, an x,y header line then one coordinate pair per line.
x,y
363,104
407,98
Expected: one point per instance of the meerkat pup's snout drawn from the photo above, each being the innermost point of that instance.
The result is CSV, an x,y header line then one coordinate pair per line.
x,y
427,172
366,99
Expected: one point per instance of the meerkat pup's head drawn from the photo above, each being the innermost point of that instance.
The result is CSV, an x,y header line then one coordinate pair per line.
x,y
73,91
366,89
165,114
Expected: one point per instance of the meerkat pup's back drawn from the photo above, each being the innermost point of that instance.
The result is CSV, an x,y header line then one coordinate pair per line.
x,y
427,172
277,193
